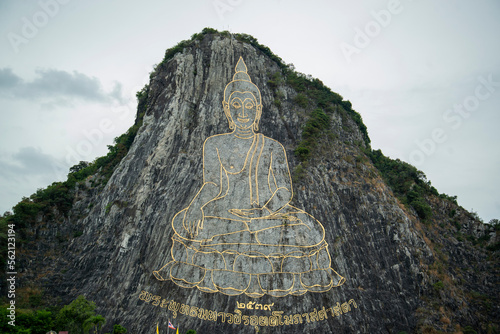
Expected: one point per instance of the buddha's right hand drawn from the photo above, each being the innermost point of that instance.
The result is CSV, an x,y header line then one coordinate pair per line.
x,y
193,221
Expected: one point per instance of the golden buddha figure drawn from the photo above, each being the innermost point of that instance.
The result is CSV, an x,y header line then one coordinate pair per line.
x,y
239,234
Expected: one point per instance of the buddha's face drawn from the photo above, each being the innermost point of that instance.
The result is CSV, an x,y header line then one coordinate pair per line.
x,y
243,109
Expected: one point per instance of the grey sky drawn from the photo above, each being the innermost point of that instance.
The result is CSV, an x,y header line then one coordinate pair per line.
x,y
69,71
51,83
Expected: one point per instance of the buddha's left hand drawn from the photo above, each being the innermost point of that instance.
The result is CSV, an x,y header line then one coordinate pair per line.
x,y
251,213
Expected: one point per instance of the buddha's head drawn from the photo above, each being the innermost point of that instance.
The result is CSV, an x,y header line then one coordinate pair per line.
x,y
242,101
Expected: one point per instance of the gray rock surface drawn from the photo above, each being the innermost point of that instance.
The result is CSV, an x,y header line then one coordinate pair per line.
x,y
375,243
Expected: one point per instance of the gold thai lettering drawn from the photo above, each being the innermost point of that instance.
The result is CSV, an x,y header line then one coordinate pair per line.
x,y
353,302
144,296
314,315
337,310
254,306
173,307
322,314
202,314
164,303
223,316
297,319
277,318
193,312
237,317
254,320
212,315
156,300
268,306
345,308
184,309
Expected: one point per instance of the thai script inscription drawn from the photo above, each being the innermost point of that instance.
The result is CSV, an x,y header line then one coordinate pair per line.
x,y
277,318
250,306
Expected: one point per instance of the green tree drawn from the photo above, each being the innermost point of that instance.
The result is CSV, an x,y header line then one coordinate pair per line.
x,y
468,330
40,322
27,321
94,323
495,223
118,329
79,167
72,317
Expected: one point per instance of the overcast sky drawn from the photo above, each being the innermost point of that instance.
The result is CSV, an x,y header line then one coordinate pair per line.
x,y
424,75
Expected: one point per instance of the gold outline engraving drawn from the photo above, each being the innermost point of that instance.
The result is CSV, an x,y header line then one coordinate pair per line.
x,y
272,319
239,233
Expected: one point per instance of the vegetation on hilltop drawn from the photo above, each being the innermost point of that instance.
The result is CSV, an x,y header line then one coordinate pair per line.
x,y
409,184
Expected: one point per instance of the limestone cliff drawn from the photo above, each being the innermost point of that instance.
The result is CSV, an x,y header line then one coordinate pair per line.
x,y
402,273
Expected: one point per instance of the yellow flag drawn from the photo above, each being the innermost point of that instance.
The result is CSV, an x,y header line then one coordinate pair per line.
x,y
157,331
177,330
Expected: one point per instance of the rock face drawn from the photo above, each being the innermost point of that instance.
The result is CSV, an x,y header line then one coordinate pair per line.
x,y
370,239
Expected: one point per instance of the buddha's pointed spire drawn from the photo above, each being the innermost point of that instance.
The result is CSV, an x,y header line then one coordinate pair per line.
x,y
241,66
241,71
